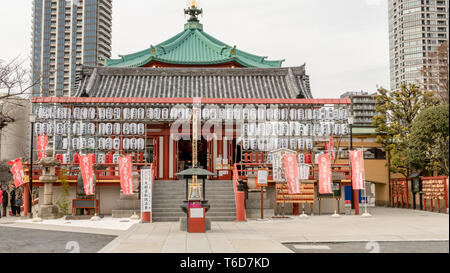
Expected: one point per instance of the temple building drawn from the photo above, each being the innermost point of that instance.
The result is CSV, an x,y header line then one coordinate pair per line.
x,y
141,105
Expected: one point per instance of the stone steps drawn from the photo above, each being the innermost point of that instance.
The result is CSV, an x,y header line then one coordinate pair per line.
x,y
168,196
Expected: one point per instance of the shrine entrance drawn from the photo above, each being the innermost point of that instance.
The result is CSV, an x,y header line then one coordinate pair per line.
x,y
185,154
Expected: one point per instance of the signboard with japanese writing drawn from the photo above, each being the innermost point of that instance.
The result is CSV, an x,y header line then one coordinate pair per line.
x,y
146,190
262,178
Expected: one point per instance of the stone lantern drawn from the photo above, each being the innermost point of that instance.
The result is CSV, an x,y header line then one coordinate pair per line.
x,y
47,210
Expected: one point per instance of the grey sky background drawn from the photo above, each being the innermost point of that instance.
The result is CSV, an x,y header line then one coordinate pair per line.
x,y
344,43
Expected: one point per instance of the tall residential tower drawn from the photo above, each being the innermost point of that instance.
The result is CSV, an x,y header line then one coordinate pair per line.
x,y
65,35
416,28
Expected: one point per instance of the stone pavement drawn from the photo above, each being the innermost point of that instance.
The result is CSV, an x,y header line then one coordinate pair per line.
x,y
386,224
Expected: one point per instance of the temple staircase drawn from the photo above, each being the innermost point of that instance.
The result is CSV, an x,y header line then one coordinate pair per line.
x,y
168,196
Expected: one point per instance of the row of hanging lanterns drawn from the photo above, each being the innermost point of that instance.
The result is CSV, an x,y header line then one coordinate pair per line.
x,y
294,129
83,128
104,143
179,112
273,143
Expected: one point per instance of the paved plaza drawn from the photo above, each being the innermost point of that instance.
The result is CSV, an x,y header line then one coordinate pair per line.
x,y
395,230
386,224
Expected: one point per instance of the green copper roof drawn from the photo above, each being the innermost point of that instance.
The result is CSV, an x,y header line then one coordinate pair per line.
x,y
192,47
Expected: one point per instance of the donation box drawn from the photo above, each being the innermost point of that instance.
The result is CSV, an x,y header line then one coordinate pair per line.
x,y
196,217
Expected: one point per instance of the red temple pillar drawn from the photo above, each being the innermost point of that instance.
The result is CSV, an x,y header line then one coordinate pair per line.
x,y
296,209
26,199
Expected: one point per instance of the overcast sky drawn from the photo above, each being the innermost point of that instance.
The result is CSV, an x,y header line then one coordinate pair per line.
x,y
344,43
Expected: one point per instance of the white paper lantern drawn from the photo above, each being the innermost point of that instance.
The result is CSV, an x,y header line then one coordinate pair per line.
x,y
75,143
102,113
91,113
116,158
116,113
276,114
157,113
141,144
252,129
253,143
301,158
66,158
83,143
127,129
109,143
53,113
173,113
84,113
59,128
91,128
300,143
68,128
126,144
126,113
309,144
300,114
284,114
109,113
133,113
77,113
91,143
253,114
150,113
246,113
261,114
133,144
284,143
261,144
309,114
246,144
269,114
65,143
141,113
293,114
165,113
297,130
275,128
116,143
101,143
109,129
117,128
132,128
101,158
261,129
293,144
141,129
268,128
59,113
237,113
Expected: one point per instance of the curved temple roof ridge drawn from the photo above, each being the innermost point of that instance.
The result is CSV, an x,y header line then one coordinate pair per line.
x,y
269,83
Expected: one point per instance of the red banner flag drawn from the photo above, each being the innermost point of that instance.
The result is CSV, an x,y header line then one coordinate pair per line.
x,y
290,165
41,145
325,179
17,171
126,175
357,159
331,147
87,172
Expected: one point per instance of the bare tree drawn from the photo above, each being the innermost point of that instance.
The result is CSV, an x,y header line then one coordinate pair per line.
x,y
436,71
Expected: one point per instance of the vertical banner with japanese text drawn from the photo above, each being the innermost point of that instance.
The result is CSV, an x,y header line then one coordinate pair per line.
x,y
146,190
325,178
126,175
357,160
17,172
87,172
290,165
41,145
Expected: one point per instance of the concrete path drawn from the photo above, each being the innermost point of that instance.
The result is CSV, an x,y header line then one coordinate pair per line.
x,y
386,224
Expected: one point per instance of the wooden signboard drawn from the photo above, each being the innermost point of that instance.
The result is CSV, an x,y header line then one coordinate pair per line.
x,y
305,197
434,188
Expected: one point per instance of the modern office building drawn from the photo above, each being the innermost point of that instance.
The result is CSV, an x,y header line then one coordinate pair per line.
x,y
416,28
363,107
65,35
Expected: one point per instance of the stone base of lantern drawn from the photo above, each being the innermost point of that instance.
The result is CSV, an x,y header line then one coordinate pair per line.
x,y
48,212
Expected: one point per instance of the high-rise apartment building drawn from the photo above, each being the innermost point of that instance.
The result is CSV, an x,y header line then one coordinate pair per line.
x,y
67,34
416,28
363,107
